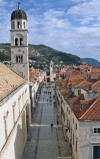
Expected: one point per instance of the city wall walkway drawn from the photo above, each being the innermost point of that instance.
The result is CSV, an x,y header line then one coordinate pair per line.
x,y
43,141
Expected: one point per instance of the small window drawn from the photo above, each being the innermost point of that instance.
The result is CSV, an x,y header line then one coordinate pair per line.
x,y
14,114
96,130
19,102
24,24
16,41
25,94
23,98
79,92
73,138
18,24
76,126
5,126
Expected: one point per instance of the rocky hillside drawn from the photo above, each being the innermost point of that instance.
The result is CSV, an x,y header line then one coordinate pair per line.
x,y
41,55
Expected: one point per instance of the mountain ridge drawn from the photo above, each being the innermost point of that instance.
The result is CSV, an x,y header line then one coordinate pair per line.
x,y
41,55
91,61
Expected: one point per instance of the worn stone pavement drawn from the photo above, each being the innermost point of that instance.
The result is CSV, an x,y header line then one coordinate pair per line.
x,y
43,141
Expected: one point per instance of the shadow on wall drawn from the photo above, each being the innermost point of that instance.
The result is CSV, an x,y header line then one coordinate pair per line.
x,y
21,137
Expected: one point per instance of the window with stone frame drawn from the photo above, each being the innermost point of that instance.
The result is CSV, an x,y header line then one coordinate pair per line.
x,y
96,130
96,152
19,58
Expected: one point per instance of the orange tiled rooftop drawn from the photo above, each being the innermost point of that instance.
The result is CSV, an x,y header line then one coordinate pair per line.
x,y
9,81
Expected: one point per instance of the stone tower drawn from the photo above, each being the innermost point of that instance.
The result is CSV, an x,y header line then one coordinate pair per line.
x,y
19,43
51,72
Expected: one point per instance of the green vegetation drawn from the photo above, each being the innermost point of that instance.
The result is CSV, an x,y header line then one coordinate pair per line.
x,y
41,55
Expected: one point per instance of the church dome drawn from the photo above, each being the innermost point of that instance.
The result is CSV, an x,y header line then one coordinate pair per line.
x,y
18,14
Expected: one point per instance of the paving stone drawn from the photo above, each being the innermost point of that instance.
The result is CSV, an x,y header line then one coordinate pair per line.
x,y
43,141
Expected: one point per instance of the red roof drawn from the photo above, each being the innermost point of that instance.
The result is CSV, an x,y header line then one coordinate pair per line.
x,y
81,113
96,87
93,112
85,84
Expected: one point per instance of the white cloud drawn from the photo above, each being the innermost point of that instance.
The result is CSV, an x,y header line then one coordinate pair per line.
x,y
88,8
53,27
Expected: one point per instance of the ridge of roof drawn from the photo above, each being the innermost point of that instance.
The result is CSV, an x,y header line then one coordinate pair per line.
x,y
96,99
80,83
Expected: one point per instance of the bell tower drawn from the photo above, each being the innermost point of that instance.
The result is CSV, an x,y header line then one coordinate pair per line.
x,y
19,43
51,72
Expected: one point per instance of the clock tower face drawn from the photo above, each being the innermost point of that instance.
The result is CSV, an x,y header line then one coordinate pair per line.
x,y
19,43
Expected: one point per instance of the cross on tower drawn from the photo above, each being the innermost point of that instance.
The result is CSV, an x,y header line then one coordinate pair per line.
x,y
18,5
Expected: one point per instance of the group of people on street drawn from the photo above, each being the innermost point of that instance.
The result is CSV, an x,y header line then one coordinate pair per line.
x,y
52,124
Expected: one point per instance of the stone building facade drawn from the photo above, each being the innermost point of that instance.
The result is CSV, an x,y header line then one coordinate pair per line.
x,y
15,113
78,103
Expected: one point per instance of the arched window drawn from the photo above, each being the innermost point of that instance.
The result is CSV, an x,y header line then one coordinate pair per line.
x,y
16,41
13,25
18,24
24,24
21,41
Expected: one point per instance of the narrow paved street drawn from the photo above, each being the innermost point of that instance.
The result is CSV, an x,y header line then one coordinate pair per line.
x,y
43,141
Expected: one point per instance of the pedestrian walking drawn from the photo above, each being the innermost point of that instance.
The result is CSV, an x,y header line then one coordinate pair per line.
x,y
51,125
57,122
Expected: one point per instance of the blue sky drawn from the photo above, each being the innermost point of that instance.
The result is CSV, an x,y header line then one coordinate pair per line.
x,y
72,26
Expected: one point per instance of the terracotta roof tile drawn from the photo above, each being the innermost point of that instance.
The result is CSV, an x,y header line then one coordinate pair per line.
x,y
96,87
34,74
9,81
77,107
85,84
93,112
